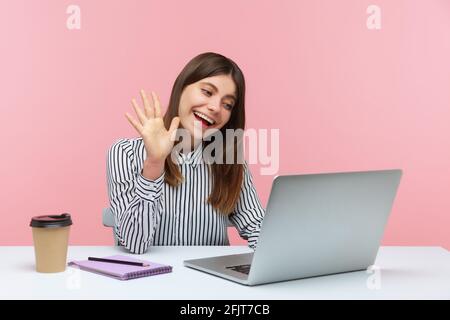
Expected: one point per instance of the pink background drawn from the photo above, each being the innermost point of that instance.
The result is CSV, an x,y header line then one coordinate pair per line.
x,y
345,98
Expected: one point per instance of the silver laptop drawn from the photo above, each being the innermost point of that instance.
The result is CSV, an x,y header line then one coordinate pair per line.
x,y
315,224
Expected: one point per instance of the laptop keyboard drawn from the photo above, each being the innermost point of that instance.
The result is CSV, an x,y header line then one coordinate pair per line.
x,y
244,268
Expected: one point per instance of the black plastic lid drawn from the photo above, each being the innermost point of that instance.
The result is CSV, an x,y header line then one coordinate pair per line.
x,y
51,221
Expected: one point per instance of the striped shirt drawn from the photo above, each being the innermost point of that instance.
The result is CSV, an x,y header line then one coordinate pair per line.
x,y
152,212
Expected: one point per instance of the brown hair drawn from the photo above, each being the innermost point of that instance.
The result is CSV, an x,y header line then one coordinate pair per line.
x,y
226,178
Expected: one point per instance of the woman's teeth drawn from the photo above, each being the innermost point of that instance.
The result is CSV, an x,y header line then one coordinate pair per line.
x,y
204,117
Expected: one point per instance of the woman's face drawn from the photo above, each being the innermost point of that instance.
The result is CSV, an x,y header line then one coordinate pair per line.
x,y
207,104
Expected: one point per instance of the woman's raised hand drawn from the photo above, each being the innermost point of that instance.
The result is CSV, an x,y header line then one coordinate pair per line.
x,y
157,139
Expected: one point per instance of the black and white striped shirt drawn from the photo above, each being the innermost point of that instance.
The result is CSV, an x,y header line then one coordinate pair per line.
x,y
151,212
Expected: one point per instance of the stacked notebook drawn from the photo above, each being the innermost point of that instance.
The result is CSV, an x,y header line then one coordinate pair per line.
x,y
121,271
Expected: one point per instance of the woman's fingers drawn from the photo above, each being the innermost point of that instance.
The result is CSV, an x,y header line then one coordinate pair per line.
x,y
173,127
157,105
134,123
174,124
148,108
138,111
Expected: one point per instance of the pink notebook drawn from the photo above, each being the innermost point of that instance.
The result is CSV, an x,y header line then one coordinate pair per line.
x,y
121,271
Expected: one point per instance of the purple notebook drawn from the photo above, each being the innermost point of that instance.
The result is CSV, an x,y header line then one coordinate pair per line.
x,y
121,271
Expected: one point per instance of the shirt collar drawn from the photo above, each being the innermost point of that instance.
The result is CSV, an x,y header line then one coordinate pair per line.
x,y
192,158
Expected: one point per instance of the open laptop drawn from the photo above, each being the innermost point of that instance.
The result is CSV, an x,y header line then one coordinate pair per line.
x,y
315,224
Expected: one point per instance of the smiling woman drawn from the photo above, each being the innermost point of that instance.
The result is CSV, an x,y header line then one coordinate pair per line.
x,y
157,201
209,100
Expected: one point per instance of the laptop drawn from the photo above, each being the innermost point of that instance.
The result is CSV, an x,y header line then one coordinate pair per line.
x,y
314,225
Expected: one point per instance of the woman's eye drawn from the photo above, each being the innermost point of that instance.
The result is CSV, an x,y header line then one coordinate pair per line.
x,y
209,93
228,106
206,92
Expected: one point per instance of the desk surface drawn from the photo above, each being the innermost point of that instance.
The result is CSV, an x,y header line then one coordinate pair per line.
x,y
404,273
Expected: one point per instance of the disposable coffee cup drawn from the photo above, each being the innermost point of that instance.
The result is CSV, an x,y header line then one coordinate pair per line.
x,y
51,239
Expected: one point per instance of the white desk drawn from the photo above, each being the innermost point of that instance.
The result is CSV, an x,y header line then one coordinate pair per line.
x,y
405,273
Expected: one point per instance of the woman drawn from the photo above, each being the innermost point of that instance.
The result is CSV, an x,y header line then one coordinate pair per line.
x,y
157,201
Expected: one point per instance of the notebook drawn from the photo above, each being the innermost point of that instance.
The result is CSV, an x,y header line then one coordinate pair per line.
x,y
121,271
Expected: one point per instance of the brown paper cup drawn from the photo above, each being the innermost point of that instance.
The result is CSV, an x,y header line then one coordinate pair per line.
x,y
51,238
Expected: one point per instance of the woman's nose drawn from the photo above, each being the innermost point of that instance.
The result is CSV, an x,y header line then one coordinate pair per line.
x,y
213,107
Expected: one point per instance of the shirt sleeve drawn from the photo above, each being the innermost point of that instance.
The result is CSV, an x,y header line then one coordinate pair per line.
x,y
248,214
135,201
